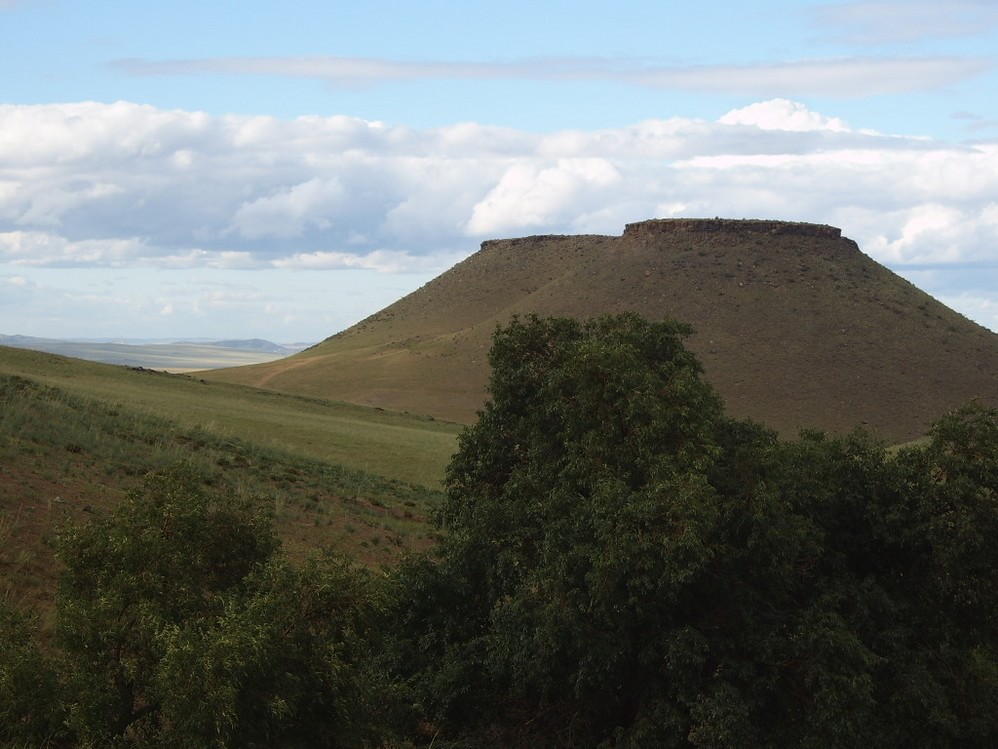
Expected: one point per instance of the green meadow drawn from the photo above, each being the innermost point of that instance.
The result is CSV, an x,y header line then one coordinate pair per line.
x,y
392,445
76,437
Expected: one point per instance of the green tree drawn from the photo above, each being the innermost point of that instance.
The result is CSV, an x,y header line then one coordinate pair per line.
x,y
624,565
284,664
580,515
180,625
944,677
165,556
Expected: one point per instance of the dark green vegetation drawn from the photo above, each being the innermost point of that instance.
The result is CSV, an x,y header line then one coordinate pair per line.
x,y
180,625
621,564
626,566
795,326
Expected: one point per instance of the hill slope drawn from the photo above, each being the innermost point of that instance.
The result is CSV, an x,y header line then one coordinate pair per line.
x,y
794,325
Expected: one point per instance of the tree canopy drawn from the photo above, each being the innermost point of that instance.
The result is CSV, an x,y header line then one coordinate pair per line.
x,y
624,565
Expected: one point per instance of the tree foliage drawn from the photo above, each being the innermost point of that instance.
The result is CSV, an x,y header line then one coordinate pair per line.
x,y
283,664
167,556
179,624
624,565
30,711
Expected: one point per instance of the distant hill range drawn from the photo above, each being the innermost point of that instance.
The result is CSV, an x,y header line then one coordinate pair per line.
x,y
794,325
256,344
173,356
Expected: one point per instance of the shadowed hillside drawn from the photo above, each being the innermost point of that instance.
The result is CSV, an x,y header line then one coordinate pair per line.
x,y
794,325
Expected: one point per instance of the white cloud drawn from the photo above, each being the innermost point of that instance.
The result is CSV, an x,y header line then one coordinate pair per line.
x,y
782,114
936,233
40,249
47,208
200,258
532,195
381,261
130,186
287,212
851,77
928,232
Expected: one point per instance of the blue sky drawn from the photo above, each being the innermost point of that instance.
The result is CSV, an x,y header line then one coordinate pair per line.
x,y
282,170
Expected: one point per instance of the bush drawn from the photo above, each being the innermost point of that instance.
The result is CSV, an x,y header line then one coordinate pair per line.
x,y
179,624
30,699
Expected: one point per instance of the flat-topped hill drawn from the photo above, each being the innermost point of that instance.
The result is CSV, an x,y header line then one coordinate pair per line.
x,y
795,326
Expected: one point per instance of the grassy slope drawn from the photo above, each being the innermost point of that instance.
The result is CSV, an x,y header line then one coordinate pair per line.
x,y
76,435
794,330
393,445
65,454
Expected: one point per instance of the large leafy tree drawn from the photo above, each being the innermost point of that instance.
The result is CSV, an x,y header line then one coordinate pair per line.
x,y
623,564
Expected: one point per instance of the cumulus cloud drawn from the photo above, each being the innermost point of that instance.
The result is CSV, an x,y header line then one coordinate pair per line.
x,y
851,77
288,211
937,233
125,185
535,195
782,114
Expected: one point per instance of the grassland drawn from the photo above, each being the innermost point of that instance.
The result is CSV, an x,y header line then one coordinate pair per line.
x,y
75,437
393,445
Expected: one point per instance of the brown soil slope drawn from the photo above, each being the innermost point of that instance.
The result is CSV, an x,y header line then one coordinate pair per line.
x,y
794,325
